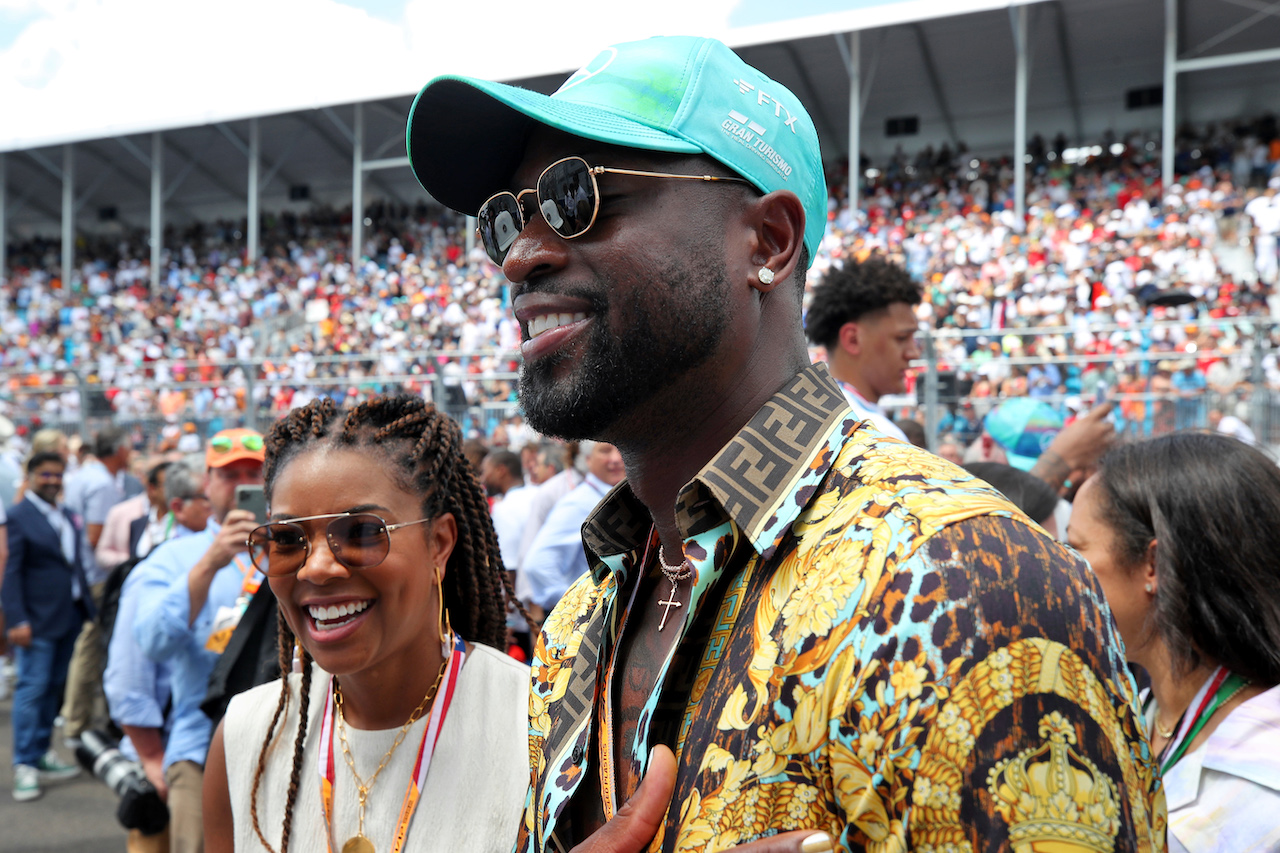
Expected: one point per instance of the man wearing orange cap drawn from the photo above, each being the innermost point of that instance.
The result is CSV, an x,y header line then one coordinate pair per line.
x,y
191,592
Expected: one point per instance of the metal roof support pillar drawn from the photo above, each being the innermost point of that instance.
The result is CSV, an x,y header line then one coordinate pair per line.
x,y
1170,114
855,119
357,188
157,208
4,234
68,214
254,159
1019,14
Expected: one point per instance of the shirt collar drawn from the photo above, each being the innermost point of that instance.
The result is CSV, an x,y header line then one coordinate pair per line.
x,y
752,480
43,505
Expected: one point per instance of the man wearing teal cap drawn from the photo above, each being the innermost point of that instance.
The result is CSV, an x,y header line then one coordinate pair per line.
x,y
799,637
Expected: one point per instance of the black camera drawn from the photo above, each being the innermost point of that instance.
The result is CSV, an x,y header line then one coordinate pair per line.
x,y
140,805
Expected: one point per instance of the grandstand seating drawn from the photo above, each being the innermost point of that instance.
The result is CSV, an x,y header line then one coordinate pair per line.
x,y
1103,245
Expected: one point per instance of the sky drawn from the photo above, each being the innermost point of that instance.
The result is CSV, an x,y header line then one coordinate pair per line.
x,y
93,68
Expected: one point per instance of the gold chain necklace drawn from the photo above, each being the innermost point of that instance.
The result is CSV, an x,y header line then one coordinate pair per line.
x,y
363,787
1174,728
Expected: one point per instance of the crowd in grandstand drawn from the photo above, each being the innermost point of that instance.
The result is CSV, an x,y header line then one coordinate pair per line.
x,y
1104,246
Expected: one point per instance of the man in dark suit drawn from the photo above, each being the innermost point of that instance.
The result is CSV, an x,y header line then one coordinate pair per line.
x,y
46,599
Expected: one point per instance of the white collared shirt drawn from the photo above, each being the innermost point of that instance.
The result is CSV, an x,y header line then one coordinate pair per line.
x,y
60,523
66,534
866,410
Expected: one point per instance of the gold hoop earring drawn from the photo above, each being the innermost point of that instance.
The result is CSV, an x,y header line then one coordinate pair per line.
x,y
442,619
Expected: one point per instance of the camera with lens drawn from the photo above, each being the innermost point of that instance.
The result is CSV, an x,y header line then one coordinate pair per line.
x,y
140,805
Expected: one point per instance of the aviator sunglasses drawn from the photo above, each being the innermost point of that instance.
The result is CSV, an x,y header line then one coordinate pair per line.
x,y
358,540
568,199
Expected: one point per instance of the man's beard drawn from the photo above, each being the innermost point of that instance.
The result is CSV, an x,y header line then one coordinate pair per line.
x,y
619,370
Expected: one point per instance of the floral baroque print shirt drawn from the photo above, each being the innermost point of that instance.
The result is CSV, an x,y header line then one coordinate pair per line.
x,y
878,646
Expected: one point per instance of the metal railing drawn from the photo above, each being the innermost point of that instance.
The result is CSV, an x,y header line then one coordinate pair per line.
x,y
40,397
944,401
1148,401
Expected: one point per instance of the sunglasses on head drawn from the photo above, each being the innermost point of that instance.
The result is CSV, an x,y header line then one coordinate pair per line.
x,y
568,198
225,443
358,540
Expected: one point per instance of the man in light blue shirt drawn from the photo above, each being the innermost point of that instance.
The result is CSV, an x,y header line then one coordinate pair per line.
x,y
556,559
137,687
187,604
96,487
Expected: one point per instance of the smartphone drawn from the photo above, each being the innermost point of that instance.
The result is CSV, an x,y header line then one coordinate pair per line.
x,y
1101,394
253,499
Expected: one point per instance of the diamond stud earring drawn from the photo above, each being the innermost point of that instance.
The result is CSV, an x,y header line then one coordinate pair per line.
x,y
765,275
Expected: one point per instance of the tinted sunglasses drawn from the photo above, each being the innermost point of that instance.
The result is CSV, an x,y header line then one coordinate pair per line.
x,y
358,540
568,198
225,443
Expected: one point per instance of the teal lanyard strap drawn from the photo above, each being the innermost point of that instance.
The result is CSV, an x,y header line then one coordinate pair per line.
x,y
1230,687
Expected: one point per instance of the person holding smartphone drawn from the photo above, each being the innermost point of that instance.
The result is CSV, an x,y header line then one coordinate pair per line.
x,y
191,593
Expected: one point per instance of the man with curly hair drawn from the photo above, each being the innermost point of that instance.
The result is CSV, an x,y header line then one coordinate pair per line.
x,y
864,314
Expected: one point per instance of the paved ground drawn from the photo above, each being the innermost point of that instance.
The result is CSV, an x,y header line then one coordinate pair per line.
x,y
77,816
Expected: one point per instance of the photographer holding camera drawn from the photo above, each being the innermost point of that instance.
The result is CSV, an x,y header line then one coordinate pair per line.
x,y
136,687
190,594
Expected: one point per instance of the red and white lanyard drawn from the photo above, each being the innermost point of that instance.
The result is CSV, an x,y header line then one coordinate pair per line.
x,y
439,708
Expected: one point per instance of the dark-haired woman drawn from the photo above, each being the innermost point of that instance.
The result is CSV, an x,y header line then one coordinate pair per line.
x,y
404,730
1183,531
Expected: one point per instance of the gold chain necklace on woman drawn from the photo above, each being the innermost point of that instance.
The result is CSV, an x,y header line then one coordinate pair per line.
x,y
360,843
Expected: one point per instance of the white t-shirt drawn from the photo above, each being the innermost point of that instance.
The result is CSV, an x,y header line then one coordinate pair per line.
x,y
510,514
869,411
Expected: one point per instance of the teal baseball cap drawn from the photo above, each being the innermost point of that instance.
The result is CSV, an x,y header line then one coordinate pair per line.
x,y
679,94
1023,427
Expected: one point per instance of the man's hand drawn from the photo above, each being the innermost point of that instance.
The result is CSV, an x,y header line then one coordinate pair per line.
x,y
231,539
154,768
20,635
1075,451
1082,443
637,822
149,744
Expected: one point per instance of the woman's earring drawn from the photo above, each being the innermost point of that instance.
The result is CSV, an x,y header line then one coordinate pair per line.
x,y
765,275
442,620
1148,588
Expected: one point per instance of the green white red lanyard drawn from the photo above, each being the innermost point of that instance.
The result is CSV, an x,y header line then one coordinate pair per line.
x,y
1215,693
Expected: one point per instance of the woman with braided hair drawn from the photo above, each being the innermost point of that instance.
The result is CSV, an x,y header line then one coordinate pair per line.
x,y
382,555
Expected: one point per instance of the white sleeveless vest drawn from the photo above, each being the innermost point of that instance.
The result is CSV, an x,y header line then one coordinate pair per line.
x,y
474,794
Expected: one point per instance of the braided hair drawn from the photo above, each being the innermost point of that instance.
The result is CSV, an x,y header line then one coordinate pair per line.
x,y
423,449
